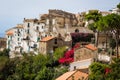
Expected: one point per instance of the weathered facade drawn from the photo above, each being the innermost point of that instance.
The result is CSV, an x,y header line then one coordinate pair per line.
x,y
85,52
49,44
62,18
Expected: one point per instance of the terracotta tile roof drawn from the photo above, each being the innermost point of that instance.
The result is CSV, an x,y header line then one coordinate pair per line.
x,y
47,38
68,75
91,47
9,33
65,75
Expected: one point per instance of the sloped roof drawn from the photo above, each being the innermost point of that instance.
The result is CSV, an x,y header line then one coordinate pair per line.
x,y
91,47
47,38
19,26
42,21
67,75
9,33
30,20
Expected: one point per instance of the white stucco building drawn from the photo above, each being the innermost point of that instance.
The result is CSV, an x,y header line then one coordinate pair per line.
x,y
34,30
14,38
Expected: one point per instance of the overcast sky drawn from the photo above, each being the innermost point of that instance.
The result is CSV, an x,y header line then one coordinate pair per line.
x,y
12,12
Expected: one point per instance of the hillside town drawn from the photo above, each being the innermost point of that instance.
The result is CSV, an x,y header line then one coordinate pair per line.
x,y
51,32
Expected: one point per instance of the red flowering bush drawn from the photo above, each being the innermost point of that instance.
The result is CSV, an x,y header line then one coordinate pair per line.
x,y
69,55
77,45
107,70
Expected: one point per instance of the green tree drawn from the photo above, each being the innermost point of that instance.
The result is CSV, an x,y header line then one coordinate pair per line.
x,y
118,6
5,52
29,67
59,53
112,44
3,62
115,70
45,74
97,71
95,16
110,23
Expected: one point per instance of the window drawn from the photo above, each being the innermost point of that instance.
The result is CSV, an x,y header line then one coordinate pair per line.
x,y
76,30
28,25
28,43
18,30
55,41
18,34
42,27
11,37
28,31
35,45
8,36
18,39
37,28
38,39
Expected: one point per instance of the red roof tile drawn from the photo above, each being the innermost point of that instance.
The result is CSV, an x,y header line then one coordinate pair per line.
x,y
9,33
67,75
91,47
47,38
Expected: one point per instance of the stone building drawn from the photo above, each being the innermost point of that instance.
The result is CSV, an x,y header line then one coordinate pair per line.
x,y
81,19
50,43
85,52
83,57
61,18
25,37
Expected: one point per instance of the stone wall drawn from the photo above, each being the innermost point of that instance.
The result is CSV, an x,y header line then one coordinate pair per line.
x,y
63,18
83,53
50,46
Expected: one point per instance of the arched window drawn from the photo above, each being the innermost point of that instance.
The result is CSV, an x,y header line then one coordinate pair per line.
x,y
76,30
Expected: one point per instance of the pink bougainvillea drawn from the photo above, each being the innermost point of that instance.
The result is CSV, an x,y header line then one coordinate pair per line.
x,y
77,45
69,55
